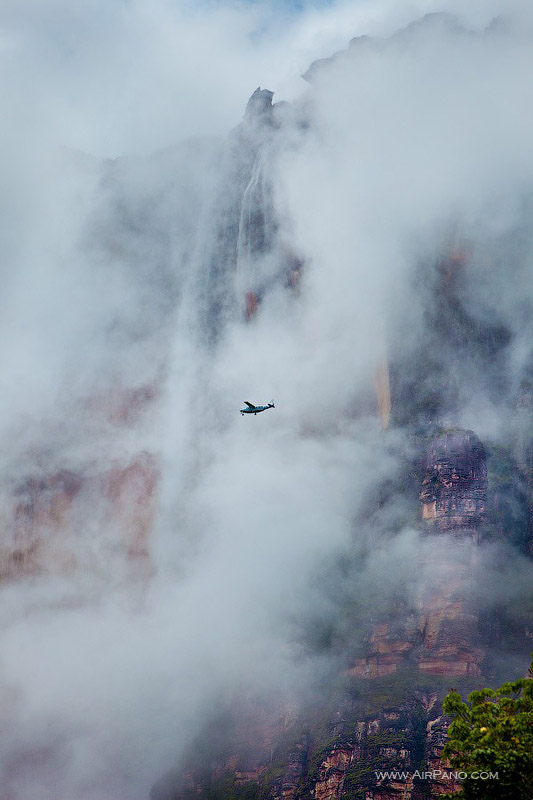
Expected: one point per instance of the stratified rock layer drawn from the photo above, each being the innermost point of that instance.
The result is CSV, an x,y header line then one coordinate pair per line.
x,y
454,489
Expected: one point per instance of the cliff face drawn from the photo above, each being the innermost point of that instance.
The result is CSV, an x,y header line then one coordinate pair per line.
x,y
380,731
370,725
122,501
441,636
394,751
112,502
454,489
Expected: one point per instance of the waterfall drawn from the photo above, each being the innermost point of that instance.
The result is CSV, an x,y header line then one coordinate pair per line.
x,y
252,227
162,554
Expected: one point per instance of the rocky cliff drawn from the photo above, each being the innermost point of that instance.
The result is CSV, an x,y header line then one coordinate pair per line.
x,y
454,488
115,495
377,730
380,730
415,600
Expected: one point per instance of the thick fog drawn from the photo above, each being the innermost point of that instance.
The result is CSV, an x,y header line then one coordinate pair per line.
x,y
139,216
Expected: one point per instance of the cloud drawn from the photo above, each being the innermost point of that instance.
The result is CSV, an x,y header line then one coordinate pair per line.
x,y
116,277
118,78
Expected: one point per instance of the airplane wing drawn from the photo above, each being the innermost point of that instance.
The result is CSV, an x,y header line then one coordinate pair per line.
x,y
250,405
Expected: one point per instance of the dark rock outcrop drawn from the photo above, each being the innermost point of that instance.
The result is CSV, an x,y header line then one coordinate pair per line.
x,y
454,488
259,106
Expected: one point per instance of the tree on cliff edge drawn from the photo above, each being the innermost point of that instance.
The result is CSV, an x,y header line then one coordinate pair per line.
x,y
493,733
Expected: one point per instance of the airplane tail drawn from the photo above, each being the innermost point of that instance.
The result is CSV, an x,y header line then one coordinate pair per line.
x,y
272,403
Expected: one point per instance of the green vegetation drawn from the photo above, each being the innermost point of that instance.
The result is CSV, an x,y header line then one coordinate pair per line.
x,y
393,690
248,791
222,788
508,508
493,733
229,790
361,775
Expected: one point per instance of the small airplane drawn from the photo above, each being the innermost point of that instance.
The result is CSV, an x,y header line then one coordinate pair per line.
x,y
251,409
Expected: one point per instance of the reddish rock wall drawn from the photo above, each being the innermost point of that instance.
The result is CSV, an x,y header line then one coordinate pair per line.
x,y
50,515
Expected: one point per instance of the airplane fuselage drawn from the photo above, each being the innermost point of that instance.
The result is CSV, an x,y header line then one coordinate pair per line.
x,y
256,409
